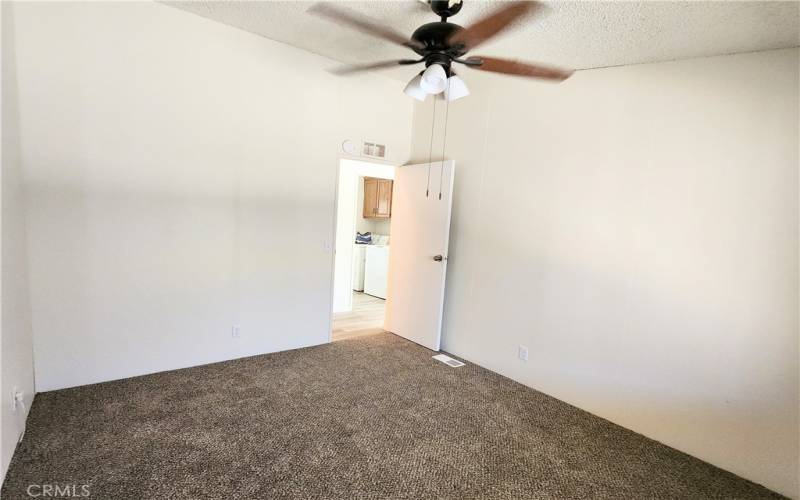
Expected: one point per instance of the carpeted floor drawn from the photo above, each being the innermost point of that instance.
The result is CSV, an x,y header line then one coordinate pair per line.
x,y
374,417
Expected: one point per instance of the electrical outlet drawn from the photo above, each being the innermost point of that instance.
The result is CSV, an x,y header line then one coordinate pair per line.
x,y
236,331
522,353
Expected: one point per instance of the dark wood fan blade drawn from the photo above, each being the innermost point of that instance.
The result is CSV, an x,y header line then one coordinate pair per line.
x,y
477,33
361,23
511,67
357,68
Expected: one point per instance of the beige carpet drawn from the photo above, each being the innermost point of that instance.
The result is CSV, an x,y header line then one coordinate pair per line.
x,y
374,417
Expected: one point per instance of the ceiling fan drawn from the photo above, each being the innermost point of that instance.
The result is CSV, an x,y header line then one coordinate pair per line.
x,y
440,44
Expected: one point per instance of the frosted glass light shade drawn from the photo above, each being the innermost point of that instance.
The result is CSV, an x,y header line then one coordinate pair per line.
x,y
434,79
414,89
455,89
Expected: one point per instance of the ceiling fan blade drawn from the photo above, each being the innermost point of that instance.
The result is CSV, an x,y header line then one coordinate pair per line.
x,y
477,33
519,68
361,23
357,68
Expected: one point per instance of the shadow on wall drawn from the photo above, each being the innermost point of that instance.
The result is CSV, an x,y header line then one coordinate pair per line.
x,y
132,271
17,341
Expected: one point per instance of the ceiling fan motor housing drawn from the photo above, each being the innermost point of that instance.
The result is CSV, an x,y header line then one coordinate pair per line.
x,y
436,48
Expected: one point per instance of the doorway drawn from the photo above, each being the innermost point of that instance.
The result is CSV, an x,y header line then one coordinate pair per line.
x,y
363,242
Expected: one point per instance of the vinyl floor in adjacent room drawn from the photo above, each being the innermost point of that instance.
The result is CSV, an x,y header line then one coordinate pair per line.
x,y
373,417
366,318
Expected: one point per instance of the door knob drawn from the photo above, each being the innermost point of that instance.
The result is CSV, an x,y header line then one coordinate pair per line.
x,y
438,258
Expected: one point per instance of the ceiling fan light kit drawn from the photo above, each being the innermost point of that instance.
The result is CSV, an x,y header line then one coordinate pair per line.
x,y
456,88
440,44
415,90
434,79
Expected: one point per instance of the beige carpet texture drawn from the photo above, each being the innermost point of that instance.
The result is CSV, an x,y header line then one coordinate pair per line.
x,y
373,417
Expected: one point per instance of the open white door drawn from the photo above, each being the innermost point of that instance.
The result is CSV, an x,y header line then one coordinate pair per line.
x,y
418,256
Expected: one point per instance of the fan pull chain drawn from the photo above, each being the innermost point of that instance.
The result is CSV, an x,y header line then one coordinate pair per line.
x,y
430,149
444,139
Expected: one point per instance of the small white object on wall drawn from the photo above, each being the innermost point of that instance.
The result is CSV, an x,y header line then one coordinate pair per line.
x,y
349,147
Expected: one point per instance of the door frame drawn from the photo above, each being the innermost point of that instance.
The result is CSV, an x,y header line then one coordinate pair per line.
x,y
366,167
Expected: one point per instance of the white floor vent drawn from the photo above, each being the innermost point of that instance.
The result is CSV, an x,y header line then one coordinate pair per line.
x,y
448,360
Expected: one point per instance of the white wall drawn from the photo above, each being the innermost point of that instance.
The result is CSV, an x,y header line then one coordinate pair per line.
x,y
637,229
347,208
181,177
16,367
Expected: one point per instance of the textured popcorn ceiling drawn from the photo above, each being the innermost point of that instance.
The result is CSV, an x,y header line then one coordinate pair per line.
x,y
572,34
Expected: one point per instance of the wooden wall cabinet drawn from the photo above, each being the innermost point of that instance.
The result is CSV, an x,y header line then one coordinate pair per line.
x,y
377,198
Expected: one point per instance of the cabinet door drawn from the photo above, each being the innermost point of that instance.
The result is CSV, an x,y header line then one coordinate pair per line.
x,y
370,197
384,198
